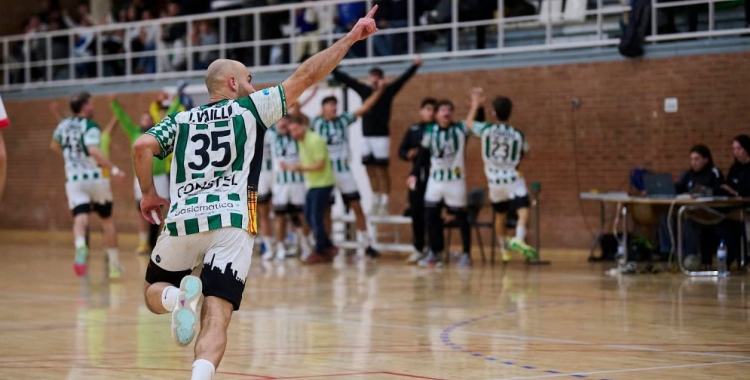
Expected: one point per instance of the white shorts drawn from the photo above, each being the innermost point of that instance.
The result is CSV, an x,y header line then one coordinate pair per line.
x,y
161,183
88,192
453,193
289,197
224,252
265,182
376,150
345,183
502,193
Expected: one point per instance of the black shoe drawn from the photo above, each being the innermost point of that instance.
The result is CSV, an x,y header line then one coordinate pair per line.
x,y
372,253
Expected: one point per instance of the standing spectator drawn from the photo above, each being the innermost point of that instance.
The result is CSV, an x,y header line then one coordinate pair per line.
x,y
205,35
376,145
737,185
34,49
318,171
408,152
391,14
147,40
307,26
173,38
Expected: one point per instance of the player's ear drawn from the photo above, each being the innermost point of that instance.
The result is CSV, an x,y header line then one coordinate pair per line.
x,y
233,85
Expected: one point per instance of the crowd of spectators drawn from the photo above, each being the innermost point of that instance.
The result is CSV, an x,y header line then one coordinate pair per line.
x,y
167,45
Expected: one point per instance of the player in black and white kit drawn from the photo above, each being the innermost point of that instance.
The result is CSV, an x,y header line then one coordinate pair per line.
x,y
376,146
502,149
334,129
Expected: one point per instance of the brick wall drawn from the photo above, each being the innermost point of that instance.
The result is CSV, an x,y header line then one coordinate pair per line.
x,y
620,125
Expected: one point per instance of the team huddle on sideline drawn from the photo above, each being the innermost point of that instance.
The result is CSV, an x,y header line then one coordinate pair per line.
x,y
438,176
285,189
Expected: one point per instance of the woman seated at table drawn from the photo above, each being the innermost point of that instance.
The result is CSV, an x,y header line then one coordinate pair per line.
x,y
702,178
737,184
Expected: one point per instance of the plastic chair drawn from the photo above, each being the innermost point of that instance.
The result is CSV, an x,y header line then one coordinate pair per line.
x,y
475,204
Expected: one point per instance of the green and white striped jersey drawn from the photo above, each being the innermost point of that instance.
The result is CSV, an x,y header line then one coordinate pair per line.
x,y
218,155
267,163
502,149
447,147
75,135
284,149
336,135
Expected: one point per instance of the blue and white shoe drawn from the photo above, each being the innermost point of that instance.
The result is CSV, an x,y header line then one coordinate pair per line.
x,y
185,316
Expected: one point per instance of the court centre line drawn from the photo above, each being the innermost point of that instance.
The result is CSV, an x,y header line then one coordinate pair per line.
x,y
641,369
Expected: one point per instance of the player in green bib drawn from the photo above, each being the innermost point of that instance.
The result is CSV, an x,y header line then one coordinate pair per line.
x,y
147,232
502,149
218,154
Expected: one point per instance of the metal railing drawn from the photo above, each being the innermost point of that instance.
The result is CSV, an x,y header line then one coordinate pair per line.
x,y
55,58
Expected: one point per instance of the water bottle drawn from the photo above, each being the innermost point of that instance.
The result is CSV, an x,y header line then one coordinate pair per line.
x,y
721,259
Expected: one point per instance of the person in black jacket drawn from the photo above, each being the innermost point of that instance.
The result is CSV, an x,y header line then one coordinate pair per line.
x,y
702,178
376,145
408,151
737,185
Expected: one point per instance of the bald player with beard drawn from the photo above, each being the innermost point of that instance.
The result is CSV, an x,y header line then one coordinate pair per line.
x,y
218,154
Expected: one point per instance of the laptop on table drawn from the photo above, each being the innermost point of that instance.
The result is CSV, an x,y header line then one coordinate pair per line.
x,y
659,186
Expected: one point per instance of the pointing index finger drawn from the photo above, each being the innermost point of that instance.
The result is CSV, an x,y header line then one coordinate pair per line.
x,y
371,14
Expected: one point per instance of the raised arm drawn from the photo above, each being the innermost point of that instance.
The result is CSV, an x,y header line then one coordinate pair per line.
x,y
302,103
360,88
477,100
401,81
317,67
54,109
371,100
126,123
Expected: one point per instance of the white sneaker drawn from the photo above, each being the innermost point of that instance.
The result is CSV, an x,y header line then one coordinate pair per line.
x,y
185,316
268,255
280,252
414,257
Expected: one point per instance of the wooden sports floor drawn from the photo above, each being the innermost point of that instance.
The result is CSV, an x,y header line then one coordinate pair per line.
x,y
382,321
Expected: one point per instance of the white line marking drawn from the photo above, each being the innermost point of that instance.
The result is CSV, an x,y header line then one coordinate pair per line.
x,y
623,370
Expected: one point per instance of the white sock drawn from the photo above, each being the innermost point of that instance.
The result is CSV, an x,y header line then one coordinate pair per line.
x,y
304,244
383,200
375,200
143,237
169,297
280,246
113,254
363,239
203,370
521,233
80,242
501,242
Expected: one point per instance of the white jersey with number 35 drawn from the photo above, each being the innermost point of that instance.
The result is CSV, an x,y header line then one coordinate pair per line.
x,y
218,151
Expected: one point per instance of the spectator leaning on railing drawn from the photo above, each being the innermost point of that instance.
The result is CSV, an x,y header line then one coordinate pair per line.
x,y
173,37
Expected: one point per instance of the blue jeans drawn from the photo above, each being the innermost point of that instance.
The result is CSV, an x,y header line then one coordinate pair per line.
x,y
317,202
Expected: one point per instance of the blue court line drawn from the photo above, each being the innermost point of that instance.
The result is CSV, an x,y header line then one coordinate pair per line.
x,y
446,339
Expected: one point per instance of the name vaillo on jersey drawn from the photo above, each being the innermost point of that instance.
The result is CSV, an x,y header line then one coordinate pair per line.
x,y
210,114
223,182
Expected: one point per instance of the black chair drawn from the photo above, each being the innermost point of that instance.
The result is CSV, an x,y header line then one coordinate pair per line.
x,y
475,204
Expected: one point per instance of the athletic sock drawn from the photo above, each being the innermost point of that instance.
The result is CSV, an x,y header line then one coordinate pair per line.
x,y
80,242
203,370
169,297
143,237
501,243
521,233
375,202
363,239
384,203
113,254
